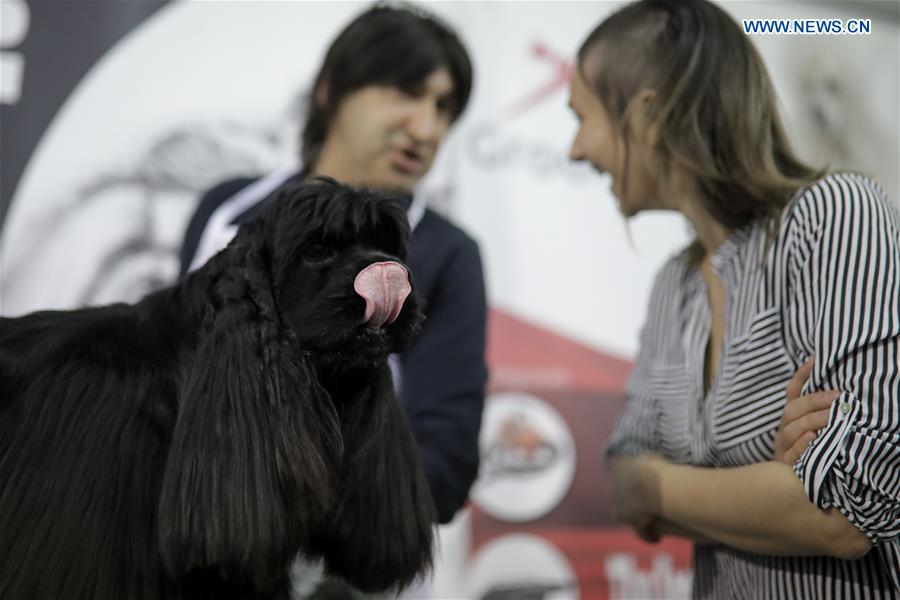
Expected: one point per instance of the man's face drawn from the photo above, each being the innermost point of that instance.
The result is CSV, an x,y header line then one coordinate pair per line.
x,y
386,137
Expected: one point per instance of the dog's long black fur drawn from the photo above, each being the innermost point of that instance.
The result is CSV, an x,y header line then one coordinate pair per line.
x,y
193,444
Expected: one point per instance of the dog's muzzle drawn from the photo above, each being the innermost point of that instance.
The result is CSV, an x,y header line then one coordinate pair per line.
x,y
384,286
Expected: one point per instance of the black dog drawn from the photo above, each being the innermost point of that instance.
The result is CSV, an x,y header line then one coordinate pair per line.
x,y
192,445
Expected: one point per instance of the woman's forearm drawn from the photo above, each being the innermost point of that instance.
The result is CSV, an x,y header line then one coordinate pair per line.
x,y
758,508
665,527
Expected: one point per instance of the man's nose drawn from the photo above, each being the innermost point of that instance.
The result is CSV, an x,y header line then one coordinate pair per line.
x,y
425,124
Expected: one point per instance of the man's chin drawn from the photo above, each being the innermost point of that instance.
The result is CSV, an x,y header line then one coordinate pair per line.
x,y
396,183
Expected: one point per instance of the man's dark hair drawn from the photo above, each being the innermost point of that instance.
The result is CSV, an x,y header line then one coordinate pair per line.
x,y
397,45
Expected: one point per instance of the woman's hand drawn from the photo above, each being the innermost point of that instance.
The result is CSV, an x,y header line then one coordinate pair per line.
x,y
635,493
802,418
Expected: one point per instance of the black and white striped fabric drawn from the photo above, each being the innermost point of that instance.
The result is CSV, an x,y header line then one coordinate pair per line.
x,y
828,286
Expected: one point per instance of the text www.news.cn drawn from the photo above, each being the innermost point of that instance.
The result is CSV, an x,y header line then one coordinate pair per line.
x,y
808,26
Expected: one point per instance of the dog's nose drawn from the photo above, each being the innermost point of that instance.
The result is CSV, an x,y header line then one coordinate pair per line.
x,y
384,286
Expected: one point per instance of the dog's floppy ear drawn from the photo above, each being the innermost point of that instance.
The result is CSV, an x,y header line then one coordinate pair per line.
x,y
247,473
382,475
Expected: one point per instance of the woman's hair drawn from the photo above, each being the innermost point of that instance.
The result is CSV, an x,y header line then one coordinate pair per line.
x,y
397,45
713,107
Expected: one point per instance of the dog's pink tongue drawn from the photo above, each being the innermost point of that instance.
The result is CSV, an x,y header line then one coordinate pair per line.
x,y
384,286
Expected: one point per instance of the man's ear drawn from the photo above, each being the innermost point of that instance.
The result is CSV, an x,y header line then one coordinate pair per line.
x,y
320,93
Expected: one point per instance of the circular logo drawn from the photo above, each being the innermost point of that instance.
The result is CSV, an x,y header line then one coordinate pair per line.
x,y
521,566
527,458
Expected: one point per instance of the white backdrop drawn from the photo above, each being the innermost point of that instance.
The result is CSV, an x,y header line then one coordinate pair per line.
x,y
208,89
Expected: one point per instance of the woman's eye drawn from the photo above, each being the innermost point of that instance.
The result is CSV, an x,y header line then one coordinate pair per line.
x,y
315,253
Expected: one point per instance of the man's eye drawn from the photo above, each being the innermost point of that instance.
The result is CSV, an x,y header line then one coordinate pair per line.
x,y
316,253
446,107
409,91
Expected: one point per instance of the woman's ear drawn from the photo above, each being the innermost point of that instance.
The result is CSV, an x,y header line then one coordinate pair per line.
x,y
645,117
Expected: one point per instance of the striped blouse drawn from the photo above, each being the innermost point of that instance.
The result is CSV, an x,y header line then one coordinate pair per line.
x,y
827,285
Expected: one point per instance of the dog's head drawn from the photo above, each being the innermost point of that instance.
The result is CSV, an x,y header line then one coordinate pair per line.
x,y
336,258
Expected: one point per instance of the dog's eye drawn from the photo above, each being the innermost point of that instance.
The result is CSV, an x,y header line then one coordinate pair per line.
x,y
316,253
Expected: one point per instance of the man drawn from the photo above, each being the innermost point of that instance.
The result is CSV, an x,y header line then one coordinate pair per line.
x,y
391,85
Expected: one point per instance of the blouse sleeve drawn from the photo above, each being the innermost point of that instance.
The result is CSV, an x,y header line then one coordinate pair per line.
x,y
844,280
637,429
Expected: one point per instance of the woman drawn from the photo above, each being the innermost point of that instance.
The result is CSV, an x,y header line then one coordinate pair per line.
x,y
789,267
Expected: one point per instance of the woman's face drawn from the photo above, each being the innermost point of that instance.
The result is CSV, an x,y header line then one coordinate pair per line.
x,y
599,142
